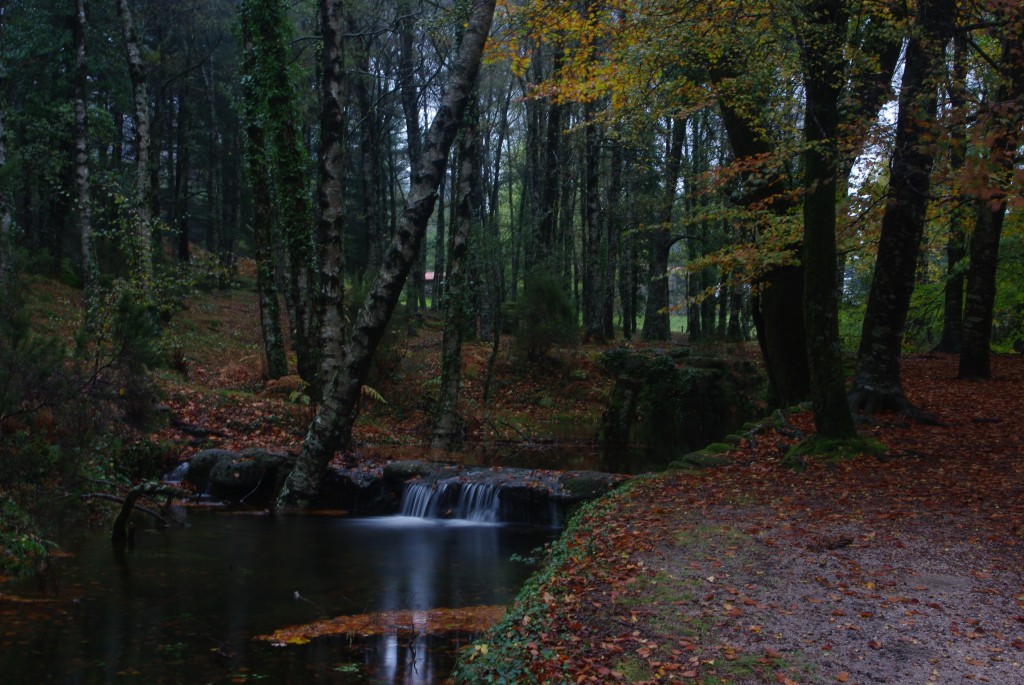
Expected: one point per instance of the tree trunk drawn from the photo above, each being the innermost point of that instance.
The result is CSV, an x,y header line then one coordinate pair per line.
x,y
142,255
656,316
263,217
181,172
448,423
331,191
411,110
1006,117
294,214
369,161
614,219
332,427
440,277
214,153
876,384
956,238
547,224
824,34
5,196
593,292
90,271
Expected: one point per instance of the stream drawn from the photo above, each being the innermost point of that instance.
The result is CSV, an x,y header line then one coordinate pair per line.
x,y
184,605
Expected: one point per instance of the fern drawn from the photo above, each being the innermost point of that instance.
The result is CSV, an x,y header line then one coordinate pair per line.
x,y
372,394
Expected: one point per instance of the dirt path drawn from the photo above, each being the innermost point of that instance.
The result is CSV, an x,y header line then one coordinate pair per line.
x,y
905,570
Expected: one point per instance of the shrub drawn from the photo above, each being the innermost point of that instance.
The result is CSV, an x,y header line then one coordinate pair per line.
x,y
545,317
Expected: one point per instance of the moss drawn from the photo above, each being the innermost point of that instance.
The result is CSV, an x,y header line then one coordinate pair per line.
x,y
698,460
831,451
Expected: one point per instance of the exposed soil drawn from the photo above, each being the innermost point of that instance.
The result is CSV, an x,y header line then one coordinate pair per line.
x,y
908,569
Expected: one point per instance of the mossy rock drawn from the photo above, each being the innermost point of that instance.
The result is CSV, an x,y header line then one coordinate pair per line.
x,y
587,484
699,460
404,470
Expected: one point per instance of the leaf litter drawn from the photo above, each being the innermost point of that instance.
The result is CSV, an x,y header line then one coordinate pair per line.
x,y
904,569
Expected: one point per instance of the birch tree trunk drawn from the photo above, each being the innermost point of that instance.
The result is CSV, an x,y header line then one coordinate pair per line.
x,y
332,427
331,191
90,271
143,248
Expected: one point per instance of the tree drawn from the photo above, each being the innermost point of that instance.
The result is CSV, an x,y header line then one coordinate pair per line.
x,y
1005,117
448,423
956,238
876,384
823,35
5,198
142,254
332,427
267,21
661,240
258,172
331,190
90,270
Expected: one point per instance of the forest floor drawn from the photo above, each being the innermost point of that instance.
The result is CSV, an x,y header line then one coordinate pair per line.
x,y
905,569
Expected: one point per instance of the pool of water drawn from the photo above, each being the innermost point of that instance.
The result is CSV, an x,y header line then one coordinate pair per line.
x,y
184,605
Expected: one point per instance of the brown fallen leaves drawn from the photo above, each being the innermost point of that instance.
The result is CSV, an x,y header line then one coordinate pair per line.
x,y
474,619
863,571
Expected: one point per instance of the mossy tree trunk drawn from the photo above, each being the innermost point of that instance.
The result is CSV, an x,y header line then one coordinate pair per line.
x,y
263,234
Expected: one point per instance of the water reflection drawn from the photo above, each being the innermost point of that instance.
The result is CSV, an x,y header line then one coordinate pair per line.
x,y
183,607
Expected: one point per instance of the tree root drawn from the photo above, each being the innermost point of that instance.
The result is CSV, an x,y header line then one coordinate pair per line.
x,y
873,401
120,535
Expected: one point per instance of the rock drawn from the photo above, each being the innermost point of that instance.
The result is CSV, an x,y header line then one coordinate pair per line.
x,y
252,476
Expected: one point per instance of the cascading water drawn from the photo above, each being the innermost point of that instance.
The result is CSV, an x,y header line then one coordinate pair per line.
x,y
477,502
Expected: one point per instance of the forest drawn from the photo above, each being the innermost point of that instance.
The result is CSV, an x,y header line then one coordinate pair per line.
x,y
822,186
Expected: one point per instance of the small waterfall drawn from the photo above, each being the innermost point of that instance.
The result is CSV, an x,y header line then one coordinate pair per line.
x,y
177,474
478,502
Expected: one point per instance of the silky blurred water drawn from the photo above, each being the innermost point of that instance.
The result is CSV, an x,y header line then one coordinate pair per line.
x,y
184,605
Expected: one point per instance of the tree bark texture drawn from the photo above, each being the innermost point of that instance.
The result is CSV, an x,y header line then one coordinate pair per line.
x,y
370,166
267,19
956,236
5,196
614,221
332,427
90,270
448,424
876,384
660,242
143,252
1006,118
593,292
824,34
331,191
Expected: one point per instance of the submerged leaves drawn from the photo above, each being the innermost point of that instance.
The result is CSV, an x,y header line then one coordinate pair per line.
x,y
474,619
